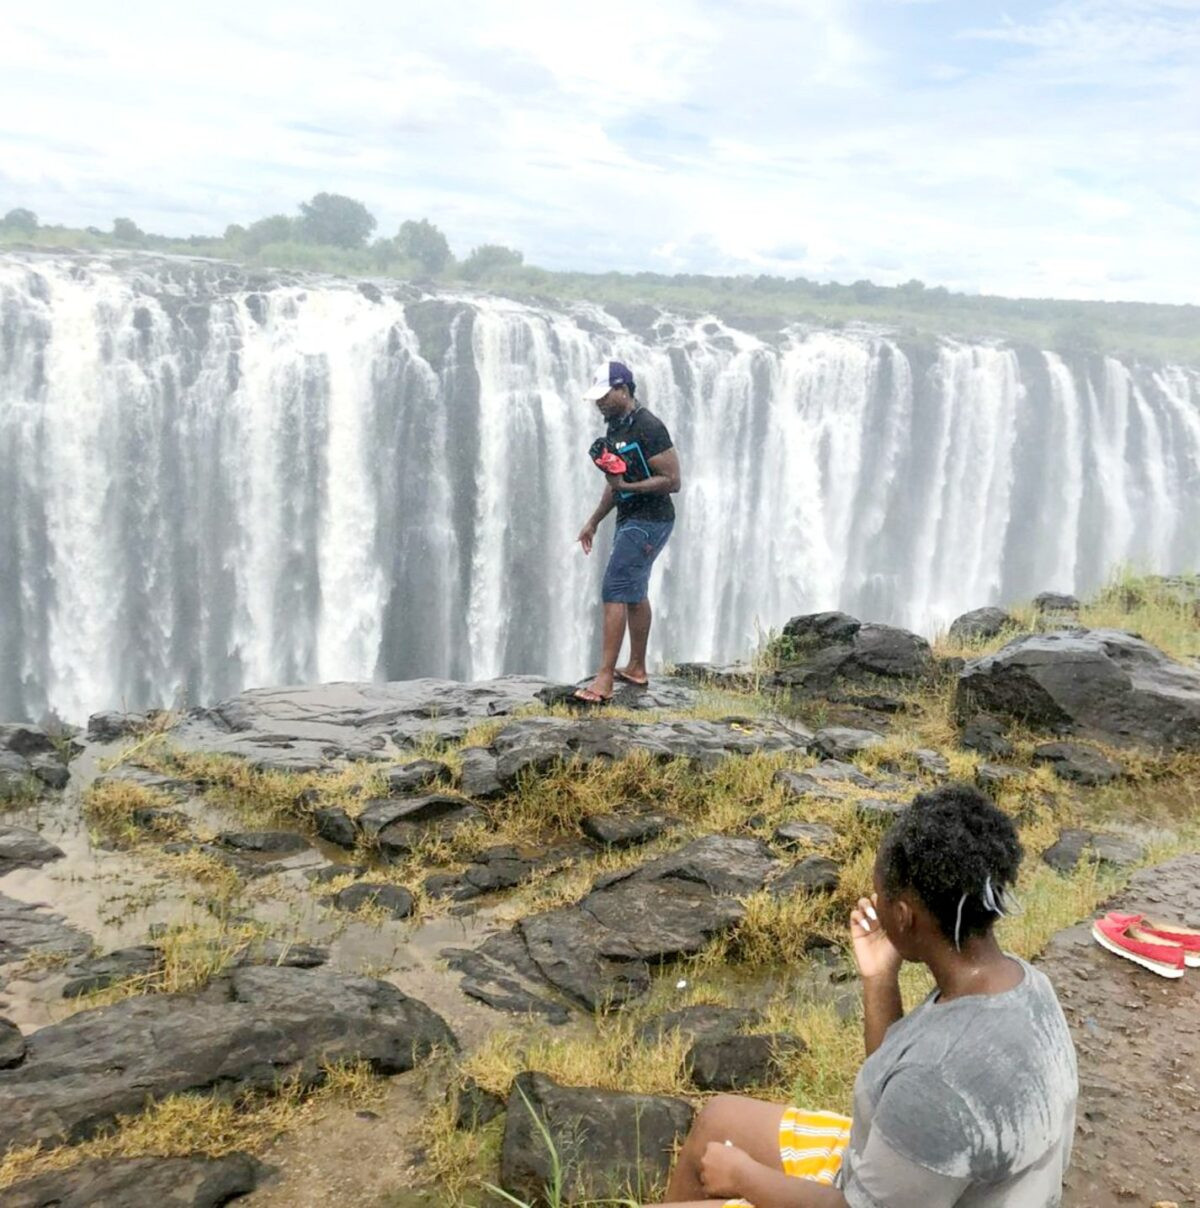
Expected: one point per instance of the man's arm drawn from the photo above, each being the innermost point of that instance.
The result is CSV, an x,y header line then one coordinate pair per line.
x,y
664,479
587,534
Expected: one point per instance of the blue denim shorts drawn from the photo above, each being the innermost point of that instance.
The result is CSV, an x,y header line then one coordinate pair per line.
x,y
636,544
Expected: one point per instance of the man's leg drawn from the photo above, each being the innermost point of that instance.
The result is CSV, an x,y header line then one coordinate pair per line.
x,y
640,616
614,636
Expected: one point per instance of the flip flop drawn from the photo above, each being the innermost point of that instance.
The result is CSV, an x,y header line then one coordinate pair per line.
x,y
585,696
637,683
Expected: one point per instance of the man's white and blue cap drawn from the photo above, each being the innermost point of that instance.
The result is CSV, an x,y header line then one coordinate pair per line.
x,y
610,374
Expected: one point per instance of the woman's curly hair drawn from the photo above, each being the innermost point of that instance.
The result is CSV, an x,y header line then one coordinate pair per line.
x,y
958,852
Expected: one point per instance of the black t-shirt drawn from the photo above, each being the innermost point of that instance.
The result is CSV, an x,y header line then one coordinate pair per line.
x,y
638,437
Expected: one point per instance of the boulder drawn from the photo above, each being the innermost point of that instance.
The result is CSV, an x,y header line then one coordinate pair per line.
x,y
27,929
832,651
197,1181
625,830
735,1063
394,899
476,1106
609,1144
1104,684
415,776
12,1044
478,777
99,972
1083,765
1055,602
273,843
24,848
112,726
335,826
986,735
700,1022
813,874
25,740
50,770
404,835
804,834
1075,845
979,625
17,779
822,628
248,1031
822,781
932,763
991,776
842,742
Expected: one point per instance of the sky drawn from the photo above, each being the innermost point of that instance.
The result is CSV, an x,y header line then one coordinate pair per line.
x,y
1047,149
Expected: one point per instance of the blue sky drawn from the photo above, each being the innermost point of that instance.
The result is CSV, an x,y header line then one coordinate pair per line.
x,y
1050,149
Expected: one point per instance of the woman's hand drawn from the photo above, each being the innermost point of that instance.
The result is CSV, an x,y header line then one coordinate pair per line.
x,y
722,1169
873,951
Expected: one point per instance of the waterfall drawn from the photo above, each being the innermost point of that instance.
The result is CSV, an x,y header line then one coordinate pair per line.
x,y
212,478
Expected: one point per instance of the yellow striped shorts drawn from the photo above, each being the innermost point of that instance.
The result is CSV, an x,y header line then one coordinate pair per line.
x,y
811,1145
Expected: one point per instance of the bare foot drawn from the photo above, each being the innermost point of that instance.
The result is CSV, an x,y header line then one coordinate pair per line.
x,y
634,674
598,691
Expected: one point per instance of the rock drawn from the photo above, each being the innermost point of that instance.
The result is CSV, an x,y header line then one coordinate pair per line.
x,y
26,929
335,826
109,727
322,722
842,743
986,735
738,677
23,848
248,1031
476,1106
823,627
1104,684
879,809
1073,845
979,625
331,872
25,740
870,653
624,830
164,822
478,778
607,1142
501,974
394,899
1070,761
99,972
197,1181
12,1044
822,781
991,776
170,786
275,843
413,820
285,954
1053,601
16,777
417,775
932,763
700,1022
50,770
663,692
801,834
813,874
734,1063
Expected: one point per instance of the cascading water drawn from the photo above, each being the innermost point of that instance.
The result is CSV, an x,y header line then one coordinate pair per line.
x,y
210,482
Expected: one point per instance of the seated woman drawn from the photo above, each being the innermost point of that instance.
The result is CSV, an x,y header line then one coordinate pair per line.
x,y
969,1100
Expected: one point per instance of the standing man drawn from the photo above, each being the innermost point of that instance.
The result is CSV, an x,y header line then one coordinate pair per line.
x,y
645,517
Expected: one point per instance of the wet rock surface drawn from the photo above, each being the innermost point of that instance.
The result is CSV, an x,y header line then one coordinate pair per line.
x,y
1075,845
12,1044
834,648
736,1063
29,762
625,830
843,742
26,929
99,972
24,848
986,735
800,834
113,726
267,843
191,1182
245,1031
1137,1037
603,1156
392,899
979,624
1103,684
701,1022
813,874
1083,765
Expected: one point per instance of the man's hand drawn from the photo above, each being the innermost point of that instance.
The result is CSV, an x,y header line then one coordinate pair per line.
x,y
617,482
722,1169
873,951
586,536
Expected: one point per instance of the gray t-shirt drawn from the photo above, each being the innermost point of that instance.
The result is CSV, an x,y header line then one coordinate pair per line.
x,y
967,1102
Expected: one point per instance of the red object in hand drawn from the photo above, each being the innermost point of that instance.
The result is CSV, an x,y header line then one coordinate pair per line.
x,y
607,458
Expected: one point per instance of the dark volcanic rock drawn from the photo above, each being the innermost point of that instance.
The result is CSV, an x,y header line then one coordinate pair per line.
x,y
25,740
1074,845
607,1142
1103,684
12,1044
165,822
1054,601
22,848
26,928
1070,761
335,826
415,819
331,872
979,625
991,776
841,742
395,899
191,1182
932,763
624,830
478,778
413,777
50,770
701,1022
109,727
733,1063
986,735
799,834
501,974
879,809
823,627
278,843
476,1106
99,972
17,778
268,1024
832,648
821,781
814,874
